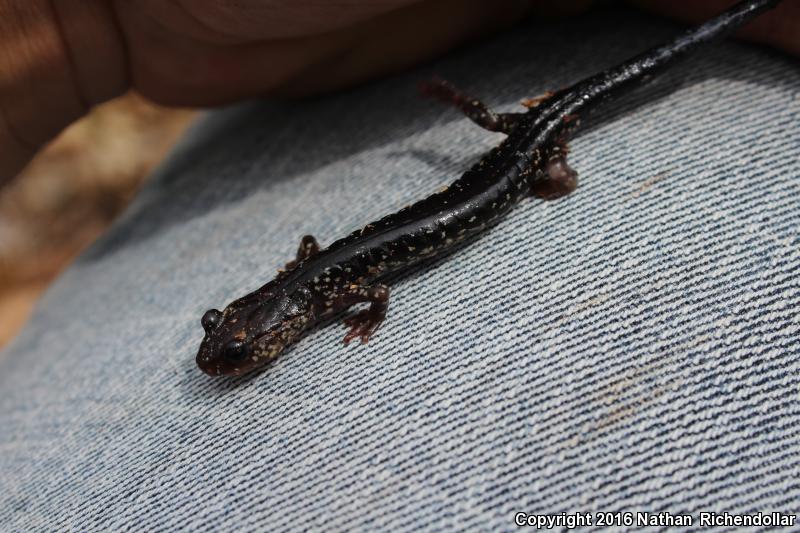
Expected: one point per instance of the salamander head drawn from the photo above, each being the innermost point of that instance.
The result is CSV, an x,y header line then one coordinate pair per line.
x,y
251,332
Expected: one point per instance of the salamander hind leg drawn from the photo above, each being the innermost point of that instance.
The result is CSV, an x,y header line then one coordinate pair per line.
x,y
474,109
308,247
530,103
559,178
364,323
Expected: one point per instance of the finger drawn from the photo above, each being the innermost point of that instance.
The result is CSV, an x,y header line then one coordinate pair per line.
x,y
404,38
177,69
243,21
38,94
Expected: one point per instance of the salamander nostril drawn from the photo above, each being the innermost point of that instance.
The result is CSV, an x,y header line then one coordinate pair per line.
x,y
210,320
235,351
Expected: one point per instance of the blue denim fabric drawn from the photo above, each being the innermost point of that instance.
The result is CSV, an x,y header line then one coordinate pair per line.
x,y
633,347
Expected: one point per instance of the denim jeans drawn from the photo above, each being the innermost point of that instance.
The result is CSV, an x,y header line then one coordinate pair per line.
x,y
632,347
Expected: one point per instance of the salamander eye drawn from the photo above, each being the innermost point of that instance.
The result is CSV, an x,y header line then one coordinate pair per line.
x,y
210,320
235,351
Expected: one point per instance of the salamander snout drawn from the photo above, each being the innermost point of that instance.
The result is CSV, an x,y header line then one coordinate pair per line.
x,y
224,349
217,356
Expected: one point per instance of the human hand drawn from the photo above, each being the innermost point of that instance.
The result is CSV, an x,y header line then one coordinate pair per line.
x,y
59,58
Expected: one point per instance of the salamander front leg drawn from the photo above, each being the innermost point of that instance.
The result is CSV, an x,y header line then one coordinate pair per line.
x,y
474,109
308,247
364,323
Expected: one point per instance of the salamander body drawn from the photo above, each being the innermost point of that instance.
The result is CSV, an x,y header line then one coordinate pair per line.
x,y
531,161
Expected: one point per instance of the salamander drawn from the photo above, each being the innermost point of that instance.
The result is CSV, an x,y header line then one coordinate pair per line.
x,y
530,161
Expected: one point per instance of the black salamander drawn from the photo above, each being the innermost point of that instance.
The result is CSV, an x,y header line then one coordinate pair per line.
x,y
530,161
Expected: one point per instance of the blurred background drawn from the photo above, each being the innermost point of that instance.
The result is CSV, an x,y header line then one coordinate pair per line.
x,y
70,194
